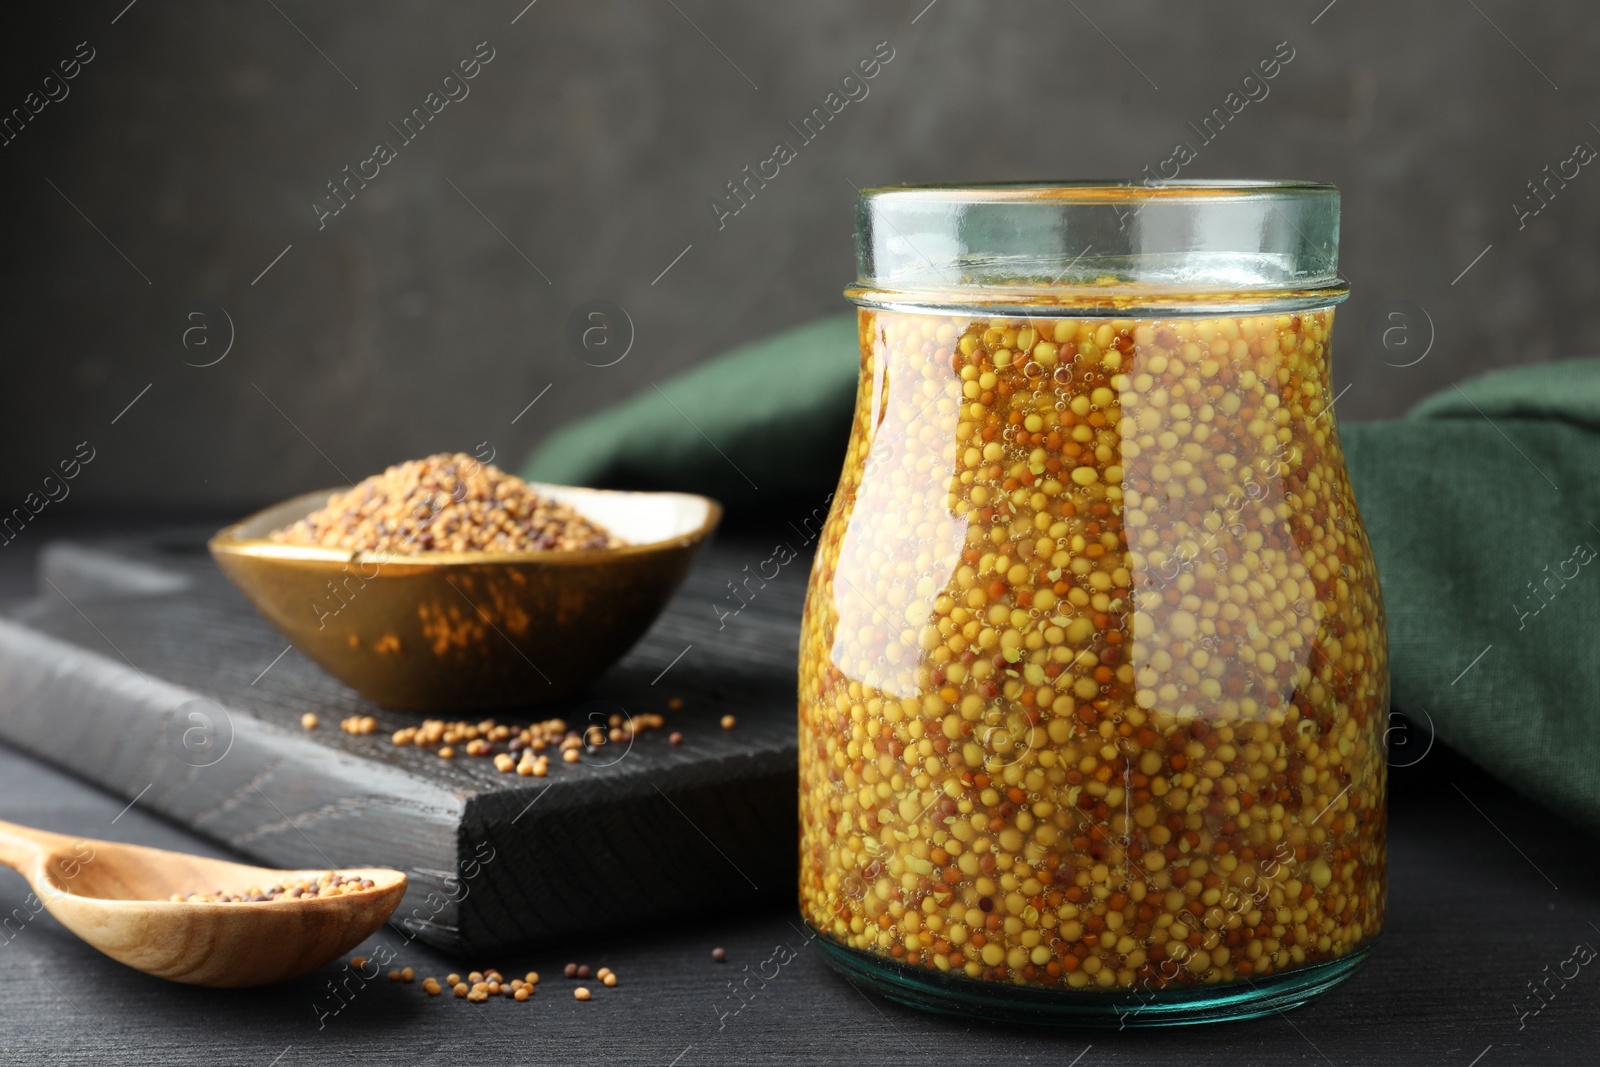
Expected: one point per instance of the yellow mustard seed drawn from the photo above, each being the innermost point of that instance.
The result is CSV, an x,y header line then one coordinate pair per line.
x,y
1100,704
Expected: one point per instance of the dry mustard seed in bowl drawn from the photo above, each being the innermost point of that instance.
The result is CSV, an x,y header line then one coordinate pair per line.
x,y
445,503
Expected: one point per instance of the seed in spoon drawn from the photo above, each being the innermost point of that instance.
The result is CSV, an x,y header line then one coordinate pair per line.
x,y
329,884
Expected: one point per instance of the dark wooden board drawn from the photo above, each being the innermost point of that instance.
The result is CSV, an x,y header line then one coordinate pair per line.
x,y
103,672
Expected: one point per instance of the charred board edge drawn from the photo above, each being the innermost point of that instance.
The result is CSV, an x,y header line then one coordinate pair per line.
x,y
658,846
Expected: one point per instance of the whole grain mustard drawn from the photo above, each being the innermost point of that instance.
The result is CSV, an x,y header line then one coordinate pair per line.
x,y
1093,682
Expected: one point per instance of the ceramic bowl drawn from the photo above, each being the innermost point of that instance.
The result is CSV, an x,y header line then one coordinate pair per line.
x,y
460,631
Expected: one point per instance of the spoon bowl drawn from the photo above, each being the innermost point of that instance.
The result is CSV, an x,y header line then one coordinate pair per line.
x,y
116,897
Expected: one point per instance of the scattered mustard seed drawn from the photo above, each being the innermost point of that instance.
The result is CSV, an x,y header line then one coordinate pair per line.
x,y
728,721
581,993
525,745
308,721
675,704
720,955
431,987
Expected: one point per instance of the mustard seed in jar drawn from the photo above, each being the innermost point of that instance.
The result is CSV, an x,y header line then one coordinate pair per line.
x,y
1093,676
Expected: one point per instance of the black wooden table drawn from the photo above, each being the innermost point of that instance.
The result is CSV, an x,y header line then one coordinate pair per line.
x,y
1489,895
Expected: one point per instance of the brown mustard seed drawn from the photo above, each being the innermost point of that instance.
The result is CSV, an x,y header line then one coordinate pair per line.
x,y
308,721
581,993
675,704
675,738
324,885
583,970
570,970
720,955
445,503
728,722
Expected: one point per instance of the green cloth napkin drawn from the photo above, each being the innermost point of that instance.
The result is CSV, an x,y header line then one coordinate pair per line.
x,y
1483,506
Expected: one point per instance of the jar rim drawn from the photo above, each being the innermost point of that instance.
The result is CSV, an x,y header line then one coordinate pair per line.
x,y
1094,191
1090,245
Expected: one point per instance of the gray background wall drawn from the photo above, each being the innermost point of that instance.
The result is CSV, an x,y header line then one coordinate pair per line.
x,y
197,138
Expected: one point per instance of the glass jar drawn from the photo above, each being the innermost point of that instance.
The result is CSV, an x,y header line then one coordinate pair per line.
x,y
1093,673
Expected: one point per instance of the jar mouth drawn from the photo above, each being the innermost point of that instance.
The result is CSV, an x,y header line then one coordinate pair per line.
x,y
1084,246
1101,191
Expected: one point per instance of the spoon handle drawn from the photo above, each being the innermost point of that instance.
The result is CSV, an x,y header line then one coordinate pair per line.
x,y
22,847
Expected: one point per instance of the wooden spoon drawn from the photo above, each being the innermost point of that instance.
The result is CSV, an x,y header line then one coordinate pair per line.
x,y
116,897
